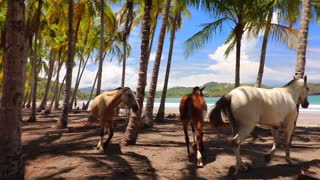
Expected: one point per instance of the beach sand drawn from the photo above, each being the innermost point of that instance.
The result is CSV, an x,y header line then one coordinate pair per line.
x,y
160,152
305,117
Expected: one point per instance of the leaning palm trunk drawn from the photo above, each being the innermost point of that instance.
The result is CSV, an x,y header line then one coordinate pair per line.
x,y
303,38
15,60
148,121
32,117
57,100
79,76
126,33
43,103
264,49
55,86
160,114
63,122
131,133
77,84
90,97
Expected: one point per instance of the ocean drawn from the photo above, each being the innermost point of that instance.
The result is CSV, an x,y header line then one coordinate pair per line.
x,y
314,101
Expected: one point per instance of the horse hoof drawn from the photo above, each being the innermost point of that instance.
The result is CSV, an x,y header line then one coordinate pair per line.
x,y
200,165
242,169
267,158
194,147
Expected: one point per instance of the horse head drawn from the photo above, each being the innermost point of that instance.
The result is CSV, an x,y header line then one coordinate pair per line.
x,y
129,98
197,90
303,96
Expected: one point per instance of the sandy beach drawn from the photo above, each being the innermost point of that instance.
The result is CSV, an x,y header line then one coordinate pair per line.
x,y
160,152
309,118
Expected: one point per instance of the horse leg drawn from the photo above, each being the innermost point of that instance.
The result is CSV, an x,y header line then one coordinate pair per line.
x,y
105,144
199,143
288,138
186,136
193,136
275,134
236,142
99,145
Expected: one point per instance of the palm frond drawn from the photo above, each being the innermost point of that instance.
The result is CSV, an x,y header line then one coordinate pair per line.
x,y
198,40
286,35
231,40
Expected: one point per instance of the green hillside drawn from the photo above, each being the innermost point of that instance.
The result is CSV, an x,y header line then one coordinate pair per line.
x,y
41,89
218,89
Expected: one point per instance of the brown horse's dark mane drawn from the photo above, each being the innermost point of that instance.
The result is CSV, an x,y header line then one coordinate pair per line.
x,y
118,88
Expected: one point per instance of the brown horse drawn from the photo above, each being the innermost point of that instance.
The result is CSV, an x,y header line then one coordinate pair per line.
x,y
193,107
104,106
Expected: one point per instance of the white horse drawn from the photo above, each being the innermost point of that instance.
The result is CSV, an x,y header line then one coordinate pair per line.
x,y
244,107
103,109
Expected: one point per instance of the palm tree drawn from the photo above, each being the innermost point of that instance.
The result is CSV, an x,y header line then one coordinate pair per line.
x,y
43,104
148,119
12,92
176,23
63,121
303,38
125,35
101,47
287,35
105,12
36,32
242,13
131,133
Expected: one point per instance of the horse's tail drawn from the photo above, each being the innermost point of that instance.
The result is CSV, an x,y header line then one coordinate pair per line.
x,y
221,113
186,109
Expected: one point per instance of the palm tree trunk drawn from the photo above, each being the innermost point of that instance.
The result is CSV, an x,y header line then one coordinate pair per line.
x,y
160,114
101,48
131,133
57,100
239,32
264,49
43,103
153,30
63,122
74,93
79,76
148,120
126,33
303,38
94,85
56,83
32,117
26,98
14,66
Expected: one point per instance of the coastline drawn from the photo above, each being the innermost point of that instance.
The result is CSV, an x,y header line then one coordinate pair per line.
x,y
307,117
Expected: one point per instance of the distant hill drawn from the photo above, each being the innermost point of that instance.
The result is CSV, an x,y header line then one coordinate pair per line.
x,y
212,89
218,89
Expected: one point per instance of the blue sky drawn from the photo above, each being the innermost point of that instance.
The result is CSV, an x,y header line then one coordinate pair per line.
x,y
209,63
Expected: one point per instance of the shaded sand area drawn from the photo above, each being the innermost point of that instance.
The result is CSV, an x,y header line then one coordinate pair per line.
x,y
160,152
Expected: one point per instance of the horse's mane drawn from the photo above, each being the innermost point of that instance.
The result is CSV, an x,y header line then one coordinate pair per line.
x,y
289,83
118,88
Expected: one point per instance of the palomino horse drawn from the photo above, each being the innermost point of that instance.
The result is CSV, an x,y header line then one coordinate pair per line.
x,y
103,109
193,107
244,107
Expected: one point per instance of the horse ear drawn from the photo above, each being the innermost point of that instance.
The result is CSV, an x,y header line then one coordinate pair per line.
x,y
202,88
